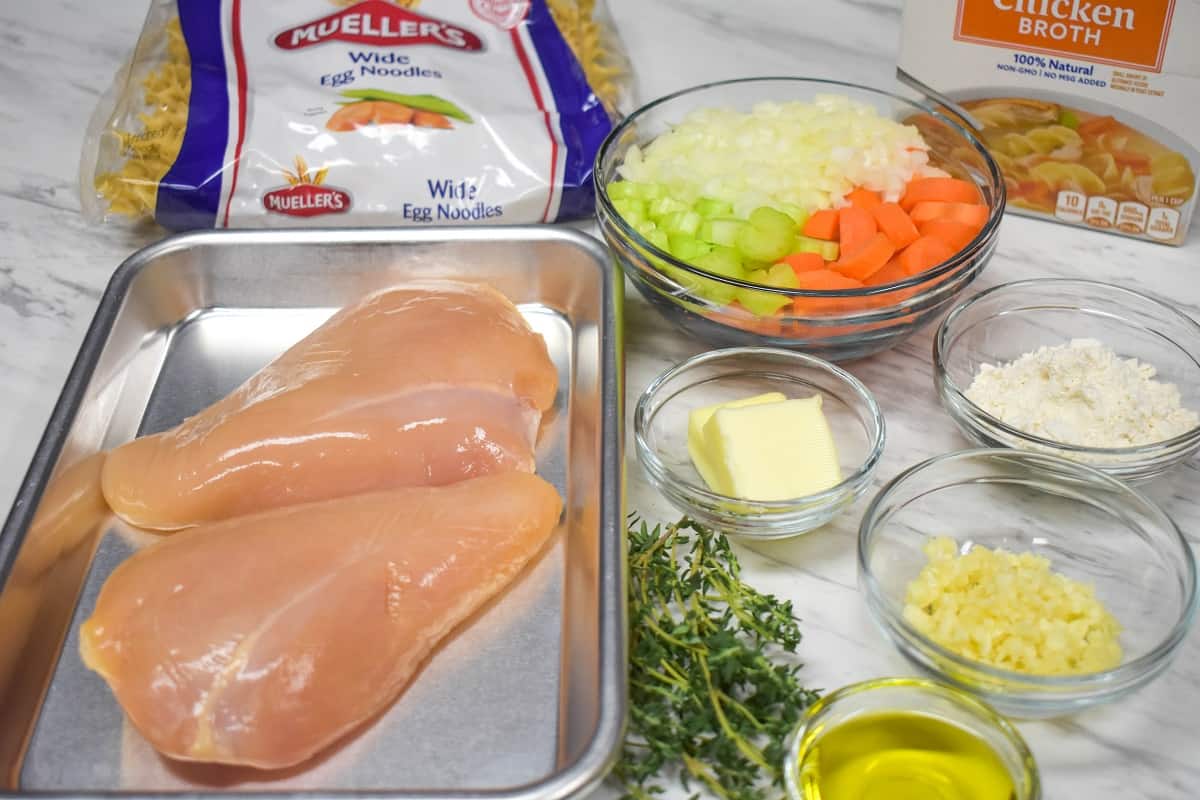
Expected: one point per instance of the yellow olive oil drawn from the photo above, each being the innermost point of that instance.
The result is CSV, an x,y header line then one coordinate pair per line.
x,y
902,756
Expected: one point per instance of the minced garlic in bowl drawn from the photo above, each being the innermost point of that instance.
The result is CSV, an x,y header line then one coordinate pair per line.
x,y
1011,611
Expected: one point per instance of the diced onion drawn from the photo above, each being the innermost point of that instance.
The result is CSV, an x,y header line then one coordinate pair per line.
x,y
808,154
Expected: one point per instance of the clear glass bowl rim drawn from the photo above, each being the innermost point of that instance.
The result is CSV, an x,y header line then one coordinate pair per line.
x,y
941,349
979,709
835,493
1118,676
964,256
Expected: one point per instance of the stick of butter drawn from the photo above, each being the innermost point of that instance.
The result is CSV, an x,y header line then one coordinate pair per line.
x,y
771,451
695,440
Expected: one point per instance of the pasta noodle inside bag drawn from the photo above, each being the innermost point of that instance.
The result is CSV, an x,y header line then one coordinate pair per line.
x,y
233,113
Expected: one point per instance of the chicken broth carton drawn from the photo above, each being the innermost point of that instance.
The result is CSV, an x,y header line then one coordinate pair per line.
x,y
1091,109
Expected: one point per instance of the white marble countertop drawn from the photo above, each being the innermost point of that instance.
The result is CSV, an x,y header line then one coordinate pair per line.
x,y
56,56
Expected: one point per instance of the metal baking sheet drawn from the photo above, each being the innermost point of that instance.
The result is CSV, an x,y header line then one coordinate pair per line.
x,y
526,702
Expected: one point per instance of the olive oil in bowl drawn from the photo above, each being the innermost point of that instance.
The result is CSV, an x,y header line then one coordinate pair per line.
x,y
903,756
907,739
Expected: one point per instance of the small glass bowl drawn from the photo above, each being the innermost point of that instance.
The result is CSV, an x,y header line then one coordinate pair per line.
x,y
1004,322
661,426
1090,526
838,325
916,695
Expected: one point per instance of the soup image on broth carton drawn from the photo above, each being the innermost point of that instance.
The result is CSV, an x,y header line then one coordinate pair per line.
x,y
1091,109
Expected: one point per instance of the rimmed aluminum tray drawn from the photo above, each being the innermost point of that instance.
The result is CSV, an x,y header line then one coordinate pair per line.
x,y
527,702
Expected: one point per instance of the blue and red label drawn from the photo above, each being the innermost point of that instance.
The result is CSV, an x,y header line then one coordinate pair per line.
x,y
316,112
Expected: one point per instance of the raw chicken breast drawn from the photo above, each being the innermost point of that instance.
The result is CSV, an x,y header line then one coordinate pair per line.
x,y
421,385
261,640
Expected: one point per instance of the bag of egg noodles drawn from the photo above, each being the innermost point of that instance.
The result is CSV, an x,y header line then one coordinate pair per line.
x,y
235,113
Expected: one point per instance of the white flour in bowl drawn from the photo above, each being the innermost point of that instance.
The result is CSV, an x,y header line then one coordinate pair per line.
x,y
1084,394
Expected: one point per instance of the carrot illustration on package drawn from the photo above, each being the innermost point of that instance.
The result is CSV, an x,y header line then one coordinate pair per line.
x,y
377,107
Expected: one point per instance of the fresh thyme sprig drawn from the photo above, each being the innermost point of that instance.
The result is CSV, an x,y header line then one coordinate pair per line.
x,y
713,693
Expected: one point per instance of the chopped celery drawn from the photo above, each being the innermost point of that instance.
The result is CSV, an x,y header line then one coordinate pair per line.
x,y
624,190
706,256
644,227
687,248
708,208
658,237
758,244
632,190
682,277
630,206
682,222
768,236
807,244
722,261
715,291
1068,119
631,209
652,191
720,231
798,214
781,276
662,206
757,302
769,220
636,220
667,221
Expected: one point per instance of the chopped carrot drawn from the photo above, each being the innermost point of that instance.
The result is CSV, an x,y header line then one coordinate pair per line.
x,y
944,190
804,262
763,326
891,272
893,221
768,326
1034,194
928,210
864,199
856,226
970,214
823,280
1096,125
956,234
822,225
1135,161
926,252
967,213
736,316
868,259
800,330
830,331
